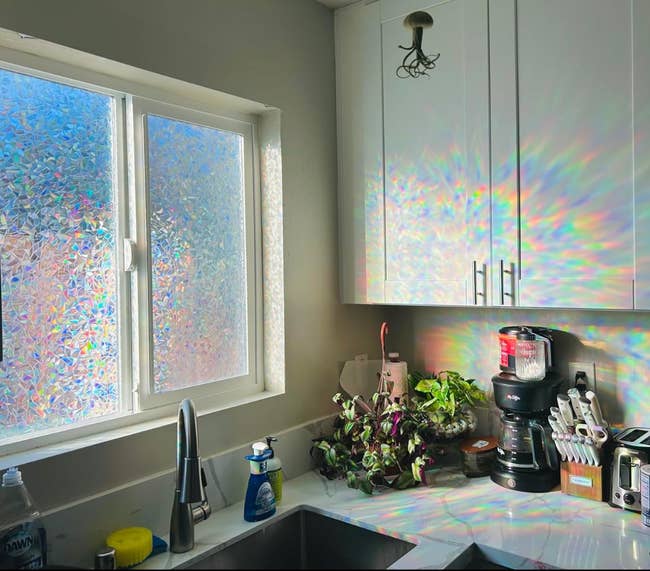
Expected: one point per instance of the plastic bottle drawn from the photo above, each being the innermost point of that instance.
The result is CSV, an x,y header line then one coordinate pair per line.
x,y
274,470
22,535
398,375
260,501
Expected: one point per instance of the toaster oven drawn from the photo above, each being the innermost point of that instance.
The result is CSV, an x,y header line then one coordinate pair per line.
x,y
631,452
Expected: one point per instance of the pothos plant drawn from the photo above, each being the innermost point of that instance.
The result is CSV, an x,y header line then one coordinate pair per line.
x,y
449,399
383,445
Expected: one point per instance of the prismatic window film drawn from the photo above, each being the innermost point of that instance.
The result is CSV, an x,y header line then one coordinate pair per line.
x,y
197,238
58,263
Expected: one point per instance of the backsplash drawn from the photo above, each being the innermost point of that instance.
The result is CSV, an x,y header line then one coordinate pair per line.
x,y
466,340
77,530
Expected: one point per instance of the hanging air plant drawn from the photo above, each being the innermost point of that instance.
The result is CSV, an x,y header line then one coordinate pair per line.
x,y
416,63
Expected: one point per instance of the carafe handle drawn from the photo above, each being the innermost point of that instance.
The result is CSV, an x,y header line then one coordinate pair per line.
x,y
544,454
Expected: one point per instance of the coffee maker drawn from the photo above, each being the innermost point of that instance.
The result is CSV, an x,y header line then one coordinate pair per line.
x,y
526,455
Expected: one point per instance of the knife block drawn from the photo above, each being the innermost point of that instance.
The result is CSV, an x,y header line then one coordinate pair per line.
x,y
582,480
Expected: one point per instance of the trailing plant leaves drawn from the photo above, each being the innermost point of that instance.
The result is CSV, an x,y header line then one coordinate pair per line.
x,y
404,480
367,442
416,468
365,486
323,445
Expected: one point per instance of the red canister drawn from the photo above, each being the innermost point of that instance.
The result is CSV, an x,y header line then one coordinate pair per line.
x,y
508,341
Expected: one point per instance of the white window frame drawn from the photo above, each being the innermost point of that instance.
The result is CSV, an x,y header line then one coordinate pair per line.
x,y
213,391
127,84
120,218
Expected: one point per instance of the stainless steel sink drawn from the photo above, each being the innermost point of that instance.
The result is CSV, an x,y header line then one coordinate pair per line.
x,y
305,539
485,557
474,558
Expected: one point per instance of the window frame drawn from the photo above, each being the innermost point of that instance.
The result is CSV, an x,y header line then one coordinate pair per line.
x,y
120,217
43,59
143,377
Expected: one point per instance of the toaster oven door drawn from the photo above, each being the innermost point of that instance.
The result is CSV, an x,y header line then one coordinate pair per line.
x,y
629,473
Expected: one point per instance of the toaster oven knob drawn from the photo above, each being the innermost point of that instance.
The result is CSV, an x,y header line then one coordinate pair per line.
x,y
628,499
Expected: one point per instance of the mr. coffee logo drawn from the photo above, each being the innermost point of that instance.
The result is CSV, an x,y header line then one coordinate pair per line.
x,y
513,397
18,543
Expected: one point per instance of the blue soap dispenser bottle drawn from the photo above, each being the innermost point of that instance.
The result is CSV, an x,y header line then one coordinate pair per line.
x,y
260,500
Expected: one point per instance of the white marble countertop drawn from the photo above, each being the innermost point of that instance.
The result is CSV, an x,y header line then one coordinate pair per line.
x,y
444,518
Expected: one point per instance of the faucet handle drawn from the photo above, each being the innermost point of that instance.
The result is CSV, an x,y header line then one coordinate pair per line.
x,y
204,480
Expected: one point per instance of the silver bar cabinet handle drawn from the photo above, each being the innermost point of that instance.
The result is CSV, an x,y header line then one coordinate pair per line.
x,y
474,277
503,271
483,272
503,295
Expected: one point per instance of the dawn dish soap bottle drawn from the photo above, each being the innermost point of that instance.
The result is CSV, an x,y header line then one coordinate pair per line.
x,y
260,501
274,470
22,535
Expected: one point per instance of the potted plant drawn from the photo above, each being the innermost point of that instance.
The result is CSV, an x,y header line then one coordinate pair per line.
x,y
391,443
383,445
449,400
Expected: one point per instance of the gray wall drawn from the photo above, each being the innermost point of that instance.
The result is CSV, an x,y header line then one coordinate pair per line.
x,y
279,52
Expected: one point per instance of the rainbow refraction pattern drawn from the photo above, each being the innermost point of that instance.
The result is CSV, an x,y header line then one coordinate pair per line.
x,y
198,251
57,255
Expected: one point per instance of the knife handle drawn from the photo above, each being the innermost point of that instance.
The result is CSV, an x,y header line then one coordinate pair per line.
x,y
564,404
555,411
559,444
573,453
595,408
591,445
583,430
574,395
583,442
598,433
585,406
554,424
576,443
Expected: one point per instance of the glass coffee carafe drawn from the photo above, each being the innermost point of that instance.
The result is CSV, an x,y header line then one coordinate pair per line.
x,y
525,444
530,356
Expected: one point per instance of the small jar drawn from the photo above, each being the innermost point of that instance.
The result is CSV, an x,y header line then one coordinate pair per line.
x,y
530,357
478,455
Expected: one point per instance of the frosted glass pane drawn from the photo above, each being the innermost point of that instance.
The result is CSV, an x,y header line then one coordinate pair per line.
x,y
198,251
57,255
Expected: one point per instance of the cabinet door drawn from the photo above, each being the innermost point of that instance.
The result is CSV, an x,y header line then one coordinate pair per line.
x,y
576,153
641,24
436,154
360,160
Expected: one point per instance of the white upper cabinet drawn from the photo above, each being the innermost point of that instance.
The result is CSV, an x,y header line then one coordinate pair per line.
x,y
436,157
360,153
516,174
574,150
641,46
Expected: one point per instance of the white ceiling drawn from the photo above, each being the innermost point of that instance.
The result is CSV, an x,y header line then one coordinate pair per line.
x,y
336,3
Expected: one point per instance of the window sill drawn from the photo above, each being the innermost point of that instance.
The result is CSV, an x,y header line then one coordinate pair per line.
x,y
136,426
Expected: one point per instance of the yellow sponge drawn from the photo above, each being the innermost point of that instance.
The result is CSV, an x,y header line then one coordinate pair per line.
x,y
132,545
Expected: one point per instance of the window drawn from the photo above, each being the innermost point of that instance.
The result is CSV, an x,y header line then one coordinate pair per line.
x,y
57,246
195,186
130,252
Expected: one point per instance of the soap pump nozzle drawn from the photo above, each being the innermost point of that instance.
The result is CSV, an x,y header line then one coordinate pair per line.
x,y
270,439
